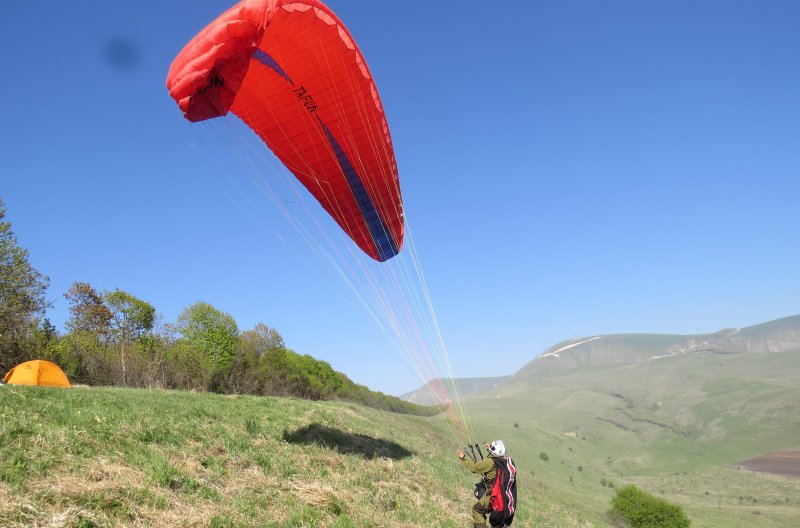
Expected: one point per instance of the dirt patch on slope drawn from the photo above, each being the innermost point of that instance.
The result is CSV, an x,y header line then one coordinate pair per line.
x,y
786,463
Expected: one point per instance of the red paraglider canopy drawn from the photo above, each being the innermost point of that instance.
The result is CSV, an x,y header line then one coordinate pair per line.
x,y
292,72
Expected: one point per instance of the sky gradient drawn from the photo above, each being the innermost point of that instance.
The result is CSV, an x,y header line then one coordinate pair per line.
x,y
569,168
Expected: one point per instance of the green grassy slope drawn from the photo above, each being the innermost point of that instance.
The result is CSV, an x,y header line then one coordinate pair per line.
x,y
673,426
127,457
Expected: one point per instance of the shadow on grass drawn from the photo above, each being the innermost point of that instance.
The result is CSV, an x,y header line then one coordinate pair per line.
x,y
347,443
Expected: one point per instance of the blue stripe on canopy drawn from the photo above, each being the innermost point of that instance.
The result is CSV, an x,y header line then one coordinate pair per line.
x,y
381,237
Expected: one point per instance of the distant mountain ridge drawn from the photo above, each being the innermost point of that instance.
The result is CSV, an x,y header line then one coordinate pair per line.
x,y
781,335
422,396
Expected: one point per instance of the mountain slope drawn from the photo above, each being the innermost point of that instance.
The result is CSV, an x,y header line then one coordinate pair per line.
x,y
466,386
675,427
672,414
619,349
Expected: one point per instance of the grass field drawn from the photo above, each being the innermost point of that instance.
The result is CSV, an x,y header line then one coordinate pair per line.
x,y
126,457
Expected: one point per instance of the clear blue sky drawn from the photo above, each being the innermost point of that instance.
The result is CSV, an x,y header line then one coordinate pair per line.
x,y
569,168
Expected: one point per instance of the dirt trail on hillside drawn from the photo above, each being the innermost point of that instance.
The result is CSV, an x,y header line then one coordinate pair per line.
x,y
786,463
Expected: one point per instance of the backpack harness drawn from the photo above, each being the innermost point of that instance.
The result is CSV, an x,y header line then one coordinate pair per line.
x,y
504,493
503,500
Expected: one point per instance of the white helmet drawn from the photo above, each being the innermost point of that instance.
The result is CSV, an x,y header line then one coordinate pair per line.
x,y
497,448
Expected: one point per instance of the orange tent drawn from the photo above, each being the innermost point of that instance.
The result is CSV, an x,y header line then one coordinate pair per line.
x,y
37,372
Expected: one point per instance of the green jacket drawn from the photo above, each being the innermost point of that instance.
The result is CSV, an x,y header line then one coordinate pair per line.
x,y
485,466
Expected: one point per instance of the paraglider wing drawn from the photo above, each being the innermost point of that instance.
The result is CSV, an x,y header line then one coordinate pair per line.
x,y
292,72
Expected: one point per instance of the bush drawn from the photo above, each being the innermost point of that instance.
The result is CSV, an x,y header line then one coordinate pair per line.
x,y
642,510
544,456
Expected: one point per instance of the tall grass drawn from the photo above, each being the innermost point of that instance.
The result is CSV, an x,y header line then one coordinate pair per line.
x,y
103,457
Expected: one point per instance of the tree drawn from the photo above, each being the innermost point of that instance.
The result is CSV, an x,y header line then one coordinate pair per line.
x,y
22,294
261,339
84,349
245,376
88,310
212,332
45,336
156,345
131,319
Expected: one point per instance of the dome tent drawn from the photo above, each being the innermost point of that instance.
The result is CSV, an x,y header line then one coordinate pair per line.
x,y
37,372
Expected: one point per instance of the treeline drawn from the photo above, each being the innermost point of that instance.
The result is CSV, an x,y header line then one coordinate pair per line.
x,y
115,338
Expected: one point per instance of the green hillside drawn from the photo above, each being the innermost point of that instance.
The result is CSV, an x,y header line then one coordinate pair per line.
x,y
107,457
674,426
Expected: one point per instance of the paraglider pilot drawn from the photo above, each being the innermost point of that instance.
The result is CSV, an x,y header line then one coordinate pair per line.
x,y
497,491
